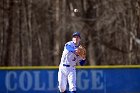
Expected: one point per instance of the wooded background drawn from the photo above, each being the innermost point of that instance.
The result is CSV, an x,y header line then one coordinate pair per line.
x,y
33,32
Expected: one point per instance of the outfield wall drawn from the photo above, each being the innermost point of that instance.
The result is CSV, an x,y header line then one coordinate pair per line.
x,y
90,79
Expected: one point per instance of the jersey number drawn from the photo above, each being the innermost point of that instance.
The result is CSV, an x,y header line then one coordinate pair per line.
x,y
74,59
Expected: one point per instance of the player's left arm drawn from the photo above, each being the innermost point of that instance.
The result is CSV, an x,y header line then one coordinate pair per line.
x,y
82,55
82,62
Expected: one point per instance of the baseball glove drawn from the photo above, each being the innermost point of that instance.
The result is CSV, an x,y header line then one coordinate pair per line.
x,y
81,51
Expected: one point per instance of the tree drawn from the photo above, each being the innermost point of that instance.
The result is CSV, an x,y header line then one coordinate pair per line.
x,y
33,32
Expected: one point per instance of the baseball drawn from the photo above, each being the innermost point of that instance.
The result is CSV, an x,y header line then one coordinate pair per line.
x,y
75,10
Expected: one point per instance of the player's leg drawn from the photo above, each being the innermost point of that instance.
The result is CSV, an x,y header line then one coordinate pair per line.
x,y
62,82
72,81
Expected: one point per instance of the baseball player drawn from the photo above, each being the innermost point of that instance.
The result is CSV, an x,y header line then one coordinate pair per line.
x,y
67,71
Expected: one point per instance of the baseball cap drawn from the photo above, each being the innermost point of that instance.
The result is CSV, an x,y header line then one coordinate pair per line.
x,y
76,34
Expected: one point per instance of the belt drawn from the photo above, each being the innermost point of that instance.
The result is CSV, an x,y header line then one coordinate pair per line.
x,y
66,65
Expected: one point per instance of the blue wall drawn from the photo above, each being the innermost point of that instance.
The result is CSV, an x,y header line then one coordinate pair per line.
x,y
97,80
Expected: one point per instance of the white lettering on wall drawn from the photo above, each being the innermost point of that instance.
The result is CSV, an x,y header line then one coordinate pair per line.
x,y
10,81
25,81
97,79
38,85
35,81
93,79
51,81
82,83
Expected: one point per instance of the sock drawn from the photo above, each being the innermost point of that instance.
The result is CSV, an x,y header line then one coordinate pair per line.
x,y
64,91
72,91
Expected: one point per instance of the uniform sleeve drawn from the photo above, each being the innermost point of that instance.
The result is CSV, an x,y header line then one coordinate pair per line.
x,y
70,48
